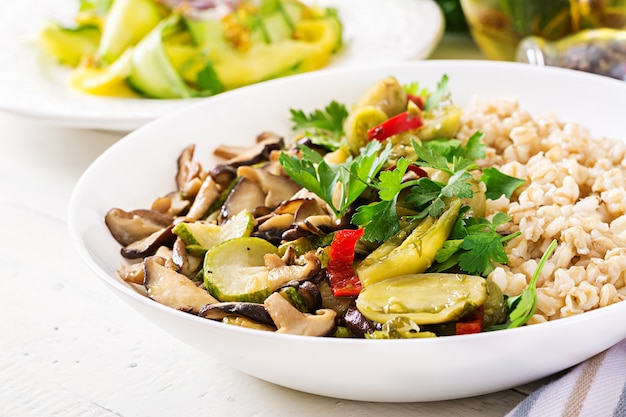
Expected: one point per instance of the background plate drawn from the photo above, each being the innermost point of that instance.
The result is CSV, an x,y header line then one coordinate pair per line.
x,y
34,86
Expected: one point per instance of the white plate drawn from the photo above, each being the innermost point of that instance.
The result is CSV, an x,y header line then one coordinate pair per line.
x,y
375,31
369,370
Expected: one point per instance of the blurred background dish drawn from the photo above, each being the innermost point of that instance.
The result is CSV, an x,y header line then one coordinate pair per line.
x,y
35,87
498,26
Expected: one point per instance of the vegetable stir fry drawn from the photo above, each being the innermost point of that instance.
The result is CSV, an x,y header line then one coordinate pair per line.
x,y
369,222
181,49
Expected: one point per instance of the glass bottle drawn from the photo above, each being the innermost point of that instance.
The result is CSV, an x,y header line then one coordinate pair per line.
x,y
599,51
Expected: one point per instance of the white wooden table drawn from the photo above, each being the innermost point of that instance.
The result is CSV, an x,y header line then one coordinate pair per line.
x,y
69,347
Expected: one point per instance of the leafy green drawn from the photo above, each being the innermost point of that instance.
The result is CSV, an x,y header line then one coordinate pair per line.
x,y
350,179
523,306
324,127
473,245
415,89
427,195
442,93
208,82
498,183
379,219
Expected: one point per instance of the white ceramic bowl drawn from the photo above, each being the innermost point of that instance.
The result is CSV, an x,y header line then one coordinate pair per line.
x,y
142,166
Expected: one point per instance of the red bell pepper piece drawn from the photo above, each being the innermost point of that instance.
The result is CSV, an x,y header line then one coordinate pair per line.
x,y
420,172
341,275
399,123
418,100
473,323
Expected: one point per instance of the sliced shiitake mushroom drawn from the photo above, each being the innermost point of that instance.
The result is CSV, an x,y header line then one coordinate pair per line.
x,y
245,195
290,320
168,287
208,194
252,311
127,227
187,167
172,204
279,276
358,324
277,188
149,245
237,156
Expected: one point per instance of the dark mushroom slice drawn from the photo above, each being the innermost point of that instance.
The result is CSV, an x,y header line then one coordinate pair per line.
x,y
311,295
245,195
358,324
149,245
305,296
223,174
186,265
252,311
237,156
127,227
168,287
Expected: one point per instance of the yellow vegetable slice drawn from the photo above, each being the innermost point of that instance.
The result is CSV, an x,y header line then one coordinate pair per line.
x,y
68,45
104,81
423,298
413,255
358,123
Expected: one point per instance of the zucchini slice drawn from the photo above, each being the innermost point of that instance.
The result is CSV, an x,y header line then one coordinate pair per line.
x,y
235,270
423,298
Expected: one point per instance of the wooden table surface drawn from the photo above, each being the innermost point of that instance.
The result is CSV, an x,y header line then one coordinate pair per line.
x,y
70,347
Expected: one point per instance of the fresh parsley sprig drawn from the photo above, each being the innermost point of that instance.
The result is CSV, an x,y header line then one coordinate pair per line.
x,y
380,220
474,245
323,127
523,306
339,185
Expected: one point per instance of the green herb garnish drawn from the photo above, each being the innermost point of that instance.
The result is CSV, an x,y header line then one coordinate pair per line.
x,y
523,306
323,127
473,245
339,185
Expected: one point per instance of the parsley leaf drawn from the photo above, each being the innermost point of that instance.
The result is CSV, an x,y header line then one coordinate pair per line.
x,y
474,245
324,127
428,157
349,179
499,184
380,220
